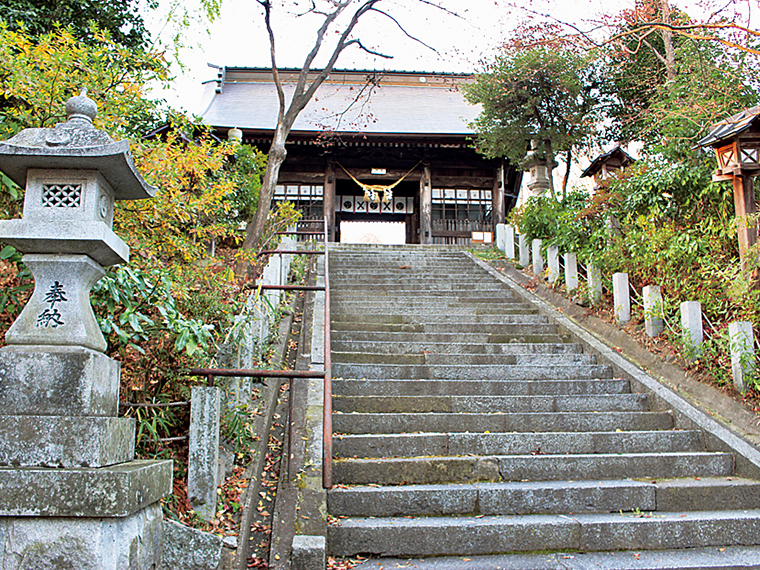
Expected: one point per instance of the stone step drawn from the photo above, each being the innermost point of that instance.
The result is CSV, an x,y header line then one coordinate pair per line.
x,y
461,444
463,359
359,311
710,558
453,388
491,404
366,423
462,536
474,338
474,372
496,468
387,347
446,317
511,330
547,497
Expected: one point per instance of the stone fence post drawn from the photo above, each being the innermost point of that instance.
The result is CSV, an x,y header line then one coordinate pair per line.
x,y
742,342
524,251
594,284
691,324
571,272
509,241
654,323
621,296
538,260
203,455
552,254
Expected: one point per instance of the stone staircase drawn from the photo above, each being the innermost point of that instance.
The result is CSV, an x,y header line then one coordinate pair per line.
x,y
467,424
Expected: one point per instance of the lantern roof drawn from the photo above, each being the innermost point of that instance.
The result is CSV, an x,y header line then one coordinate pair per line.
x,y
75,144
731,127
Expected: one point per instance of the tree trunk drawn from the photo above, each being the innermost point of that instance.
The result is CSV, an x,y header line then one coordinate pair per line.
x,y
667,40
277,153
569,158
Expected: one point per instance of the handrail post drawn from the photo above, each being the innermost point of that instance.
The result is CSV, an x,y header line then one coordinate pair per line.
x,y
327,423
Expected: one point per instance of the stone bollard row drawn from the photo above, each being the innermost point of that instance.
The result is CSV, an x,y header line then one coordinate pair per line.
x,y
741,337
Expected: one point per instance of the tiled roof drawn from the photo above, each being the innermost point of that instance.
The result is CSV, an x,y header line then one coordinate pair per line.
x,y
617,153
405,103
731,127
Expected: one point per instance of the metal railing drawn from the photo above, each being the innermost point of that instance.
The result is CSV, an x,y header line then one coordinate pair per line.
x,y
211,373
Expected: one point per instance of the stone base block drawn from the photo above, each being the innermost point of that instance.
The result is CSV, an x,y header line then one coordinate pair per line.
x,y
50,441
308,552
117,491
131,543
190,549
57,381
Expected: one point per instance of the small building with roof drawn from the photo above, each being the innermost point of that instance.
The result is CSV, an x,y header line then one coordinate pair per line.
x,y
608,164
374,146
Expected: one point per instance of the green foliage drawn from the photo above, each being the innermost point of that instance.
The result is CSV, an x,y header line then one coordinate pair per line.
x,y
134,306
18,286
237,428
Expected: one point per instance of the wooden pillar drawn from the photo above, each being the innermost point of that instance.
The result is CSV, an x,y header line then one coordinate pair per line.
x,y
328,199
426,207
744,203
497,197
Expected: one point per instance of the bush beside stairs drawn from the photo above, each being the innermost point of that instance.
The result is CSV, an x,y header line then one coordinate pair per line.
x,y
466,424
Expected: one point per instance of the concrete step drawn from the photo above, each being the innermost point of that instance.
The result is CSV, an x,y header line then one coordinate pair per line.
x,y
547,497
387,347
391,308
452,388
437,536
500,468
365,423
474,372
483,336
461,444
463,359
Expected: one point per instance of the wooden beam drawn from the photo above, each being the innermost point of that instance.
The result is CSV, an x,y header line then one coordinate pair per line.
x,y
426,207
328,203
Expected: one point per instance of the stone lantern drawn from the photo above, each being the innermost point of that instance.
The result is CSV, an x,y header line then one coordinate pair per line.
x,y
71,493
540,165
736,141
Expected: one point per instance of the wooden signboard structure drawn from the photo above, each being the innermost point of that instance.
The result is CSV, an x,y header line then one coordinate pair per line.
x,y
736,141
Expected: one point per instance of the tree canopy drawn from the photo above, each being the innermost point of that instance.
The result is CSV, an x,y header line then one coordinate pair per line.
x,y
552,96
121,19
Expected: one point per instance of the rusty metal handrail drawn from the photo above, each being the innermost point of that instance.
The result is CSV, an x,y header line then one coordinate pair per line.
x,y
327,434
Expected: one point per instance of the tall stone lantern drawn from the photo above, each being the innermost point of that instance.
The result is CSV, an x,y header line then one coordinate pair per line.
x,y
540,164
71,493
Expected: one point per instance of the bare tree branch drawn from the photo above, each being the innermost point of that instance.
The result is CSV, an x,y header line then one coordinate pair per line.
x,y
368,50
400,27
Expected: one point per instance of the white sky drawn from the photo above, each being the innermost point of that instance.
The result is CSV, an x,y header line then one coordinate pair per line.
x,y
238,38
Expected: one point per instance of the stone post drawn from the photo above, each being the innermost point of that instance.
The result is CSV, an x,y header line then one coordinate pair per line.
x,y
691,324
524,251
509,241
538,260
203,455
71,493
426,207
621,296
571,272
594,284
552,254
501,237
654,323
742,341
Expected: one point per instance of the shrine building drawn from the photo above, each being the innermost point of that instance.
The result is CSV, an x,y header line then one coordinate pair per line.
x,y
374,146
